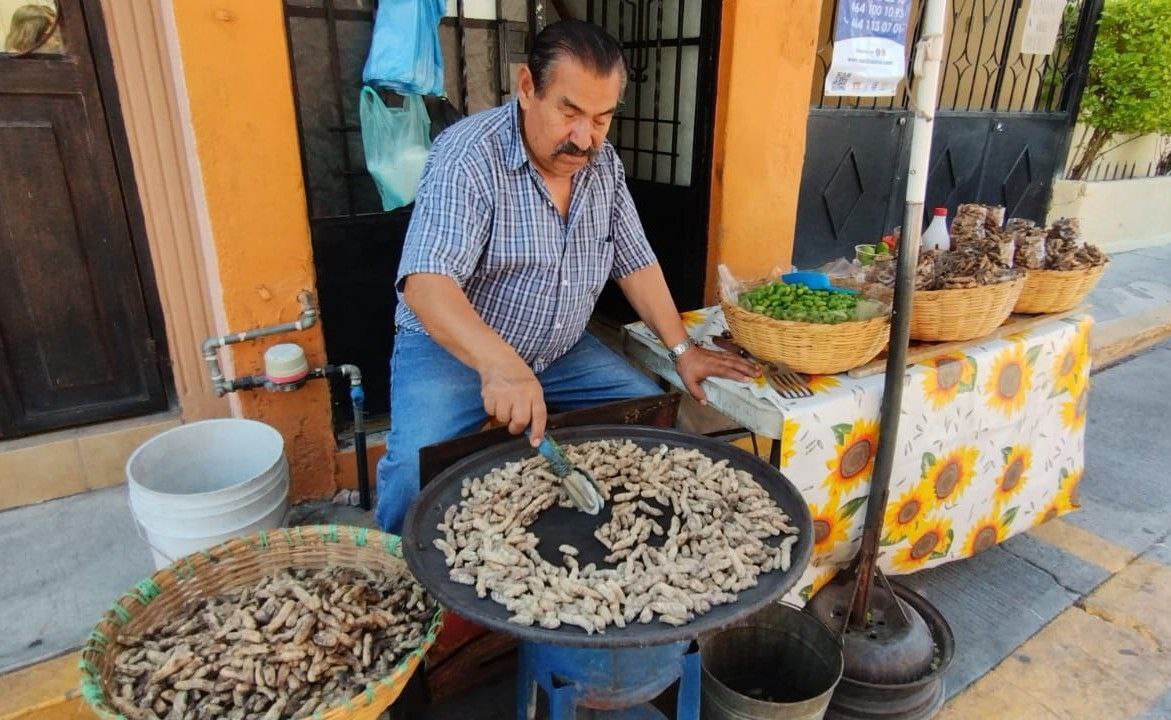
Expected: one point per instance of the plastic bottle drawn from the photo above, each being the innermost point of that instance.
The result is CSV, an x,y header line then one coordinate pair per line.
x,y
936,236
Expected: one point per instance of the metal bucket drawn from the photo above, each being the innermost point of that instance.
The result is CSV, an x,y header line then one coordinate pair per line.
x,y
779,664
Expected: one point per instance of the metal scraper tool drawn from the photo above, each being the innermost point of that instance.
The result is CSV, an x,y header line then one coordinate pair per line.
x,y
579,484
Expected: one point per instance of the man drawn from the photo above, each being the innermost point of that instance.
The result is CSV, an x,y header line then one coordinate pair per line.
x,y
522,214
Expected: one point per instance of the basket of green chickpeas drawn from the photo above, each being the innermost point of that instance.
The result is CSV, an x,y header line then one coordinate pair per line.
x,y
813,331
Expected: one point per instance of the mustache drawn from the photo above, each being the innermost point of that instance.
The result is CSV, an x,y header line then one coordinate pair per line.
x,y
568,148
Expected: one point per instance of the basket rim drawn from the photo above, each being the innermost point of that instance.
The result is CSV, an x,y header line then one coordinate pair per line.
x,y
808,347
883,319
1075,271
140,595
1049,291
989,288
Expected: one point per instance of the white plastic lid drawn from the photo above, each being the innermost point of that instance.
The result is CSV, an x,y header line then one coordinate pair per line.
x,y
285,362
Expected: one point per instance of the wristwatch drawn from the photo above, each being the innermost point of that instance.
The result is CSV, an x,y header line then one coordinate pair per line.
x,y
674,353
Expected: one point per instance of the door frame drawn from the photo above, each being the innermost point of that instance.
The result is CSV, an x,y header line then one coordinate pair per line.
x,y
103,60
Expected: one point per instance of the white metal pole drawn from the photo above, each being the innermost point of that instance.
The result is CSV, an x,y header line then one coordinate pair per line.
x,y
926,70
925,90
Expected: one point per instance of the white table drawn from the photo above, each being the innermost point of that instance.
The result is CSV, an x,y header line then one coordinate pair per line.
x,y
991,443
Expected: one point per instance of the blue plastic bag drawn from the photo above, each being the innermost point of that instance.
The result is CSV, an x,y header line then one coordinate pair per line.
x,y
396,142
404,51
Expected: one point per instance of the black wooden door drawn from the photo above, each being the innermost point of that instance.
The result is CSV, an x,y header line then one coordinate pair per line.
x,y
850,179
1006,159
75,337
1022,156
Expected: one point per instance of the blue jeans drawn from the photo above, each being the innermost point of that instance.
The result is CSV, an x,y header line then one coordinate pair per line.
x,y
435,397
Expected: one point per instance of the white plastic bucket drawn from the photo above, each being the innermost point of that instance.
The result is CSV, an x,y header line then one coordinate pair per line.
x,y
197,485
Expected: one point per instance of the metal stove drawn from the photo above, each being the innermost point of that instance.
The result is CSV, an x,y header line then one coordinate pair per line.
x,y
615,684
615,674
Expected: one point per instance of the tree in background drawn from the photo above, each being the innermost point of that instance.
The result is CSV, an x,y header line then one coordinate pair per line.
x,y
1128,89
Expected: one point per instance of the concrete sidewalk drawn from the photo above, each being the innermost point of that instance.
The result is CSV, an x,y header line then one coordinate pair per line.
x,y
1064,602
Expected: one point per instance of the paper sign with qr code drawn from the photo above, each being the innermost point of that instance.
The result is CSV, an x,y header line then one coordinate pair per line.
x,y
869,57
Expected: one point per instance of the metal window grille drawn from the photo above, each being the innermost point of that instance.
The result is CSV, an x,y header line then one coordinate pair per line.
x,y
661,43
328,42
984,69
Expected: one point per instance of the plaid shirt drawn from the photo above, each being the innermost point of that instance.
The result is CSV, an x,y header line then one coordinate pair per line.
x,y
484,217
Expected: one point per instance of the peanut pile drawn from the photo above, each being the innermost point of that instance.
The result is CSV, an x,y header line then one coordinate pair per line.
x,y
715,530
292,644
1065,250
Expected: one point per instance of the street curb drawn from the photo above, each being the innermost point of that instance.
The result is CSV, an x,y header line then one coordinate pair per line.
x,y
1114,341
61,708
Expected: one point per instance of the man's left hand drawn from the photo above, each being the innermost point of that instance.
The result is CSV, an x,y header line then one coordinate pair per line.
x,y
698,364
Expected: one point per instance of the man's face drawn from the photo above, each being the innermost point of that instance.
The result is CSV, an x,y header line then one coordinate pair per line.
x,y
566,124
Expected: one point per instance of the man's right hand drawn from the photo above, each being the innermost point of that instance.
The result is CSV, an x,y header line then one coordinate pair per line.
x,y
512,394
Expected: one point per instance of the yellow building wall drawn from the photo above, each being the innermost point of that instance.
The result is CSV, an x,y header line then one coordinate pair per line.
x,y
767,54
235,68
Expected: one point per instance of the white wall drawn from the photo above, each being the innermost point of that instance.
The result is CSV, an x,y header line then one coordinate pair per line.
x,y
486,9
1117,215
1142,151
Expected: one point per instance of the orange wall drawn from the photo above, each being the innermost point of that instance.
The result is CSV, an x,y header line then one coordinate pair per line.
x,y
767,53
235,68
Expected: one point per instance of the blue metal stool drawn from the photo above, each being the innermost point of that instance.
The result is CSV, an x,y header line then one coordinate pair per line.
x,y
619,682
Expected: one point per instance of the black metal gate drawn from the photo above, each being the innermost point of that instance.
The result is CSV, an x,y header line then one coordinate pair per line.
x,y
663,134
664,130
1001,132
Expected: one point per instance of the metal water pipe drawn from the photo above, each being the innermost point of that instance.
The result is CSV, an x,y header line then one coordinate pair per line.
x,y
286,382
358,402
211,346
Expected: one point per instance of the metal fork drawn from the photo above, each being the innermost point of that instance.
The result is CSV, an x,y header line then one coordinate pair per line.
x,y
788,384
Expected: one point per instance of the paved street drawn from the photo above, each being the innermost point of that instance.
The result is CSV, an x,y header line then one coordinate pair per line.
x,y
1096,584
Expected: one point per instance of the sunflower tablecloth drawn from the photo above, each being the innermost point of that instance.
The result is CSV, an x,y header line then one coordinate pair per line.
x,y
991,443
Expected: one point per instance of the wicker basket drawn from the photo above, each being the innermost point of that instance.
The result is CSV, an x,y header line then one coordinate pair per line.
x,y
245,561
1051,291
962,314
811,348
